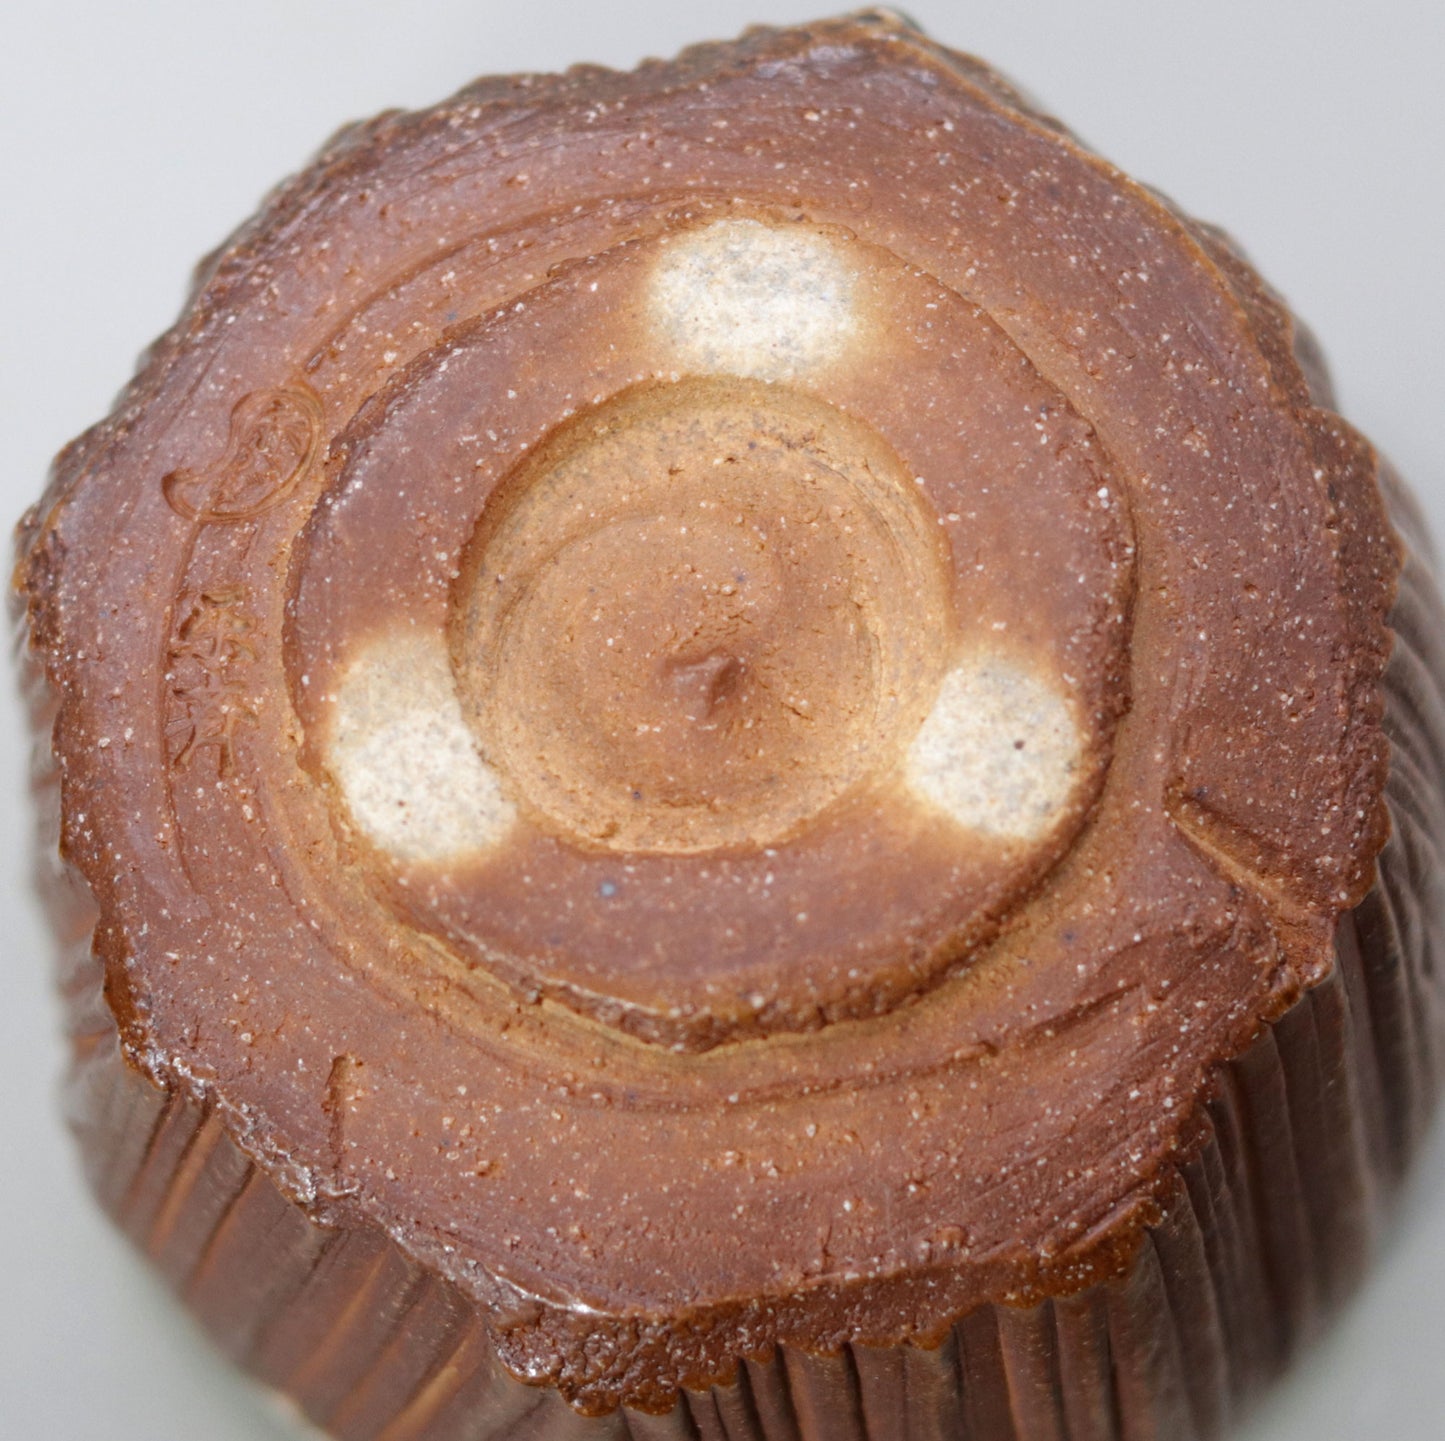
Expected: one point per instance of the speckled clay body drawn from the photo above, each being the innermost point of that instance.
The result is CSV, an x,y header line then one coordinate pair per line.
x,y
751,760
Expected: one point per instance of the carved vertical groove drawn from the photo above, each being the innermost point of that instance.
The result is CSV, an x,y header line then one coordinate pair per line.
x,y
1264,1223
1266,1230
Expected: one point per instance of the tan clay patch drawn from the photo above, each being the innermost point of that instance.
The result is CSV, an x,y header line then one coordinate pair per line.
x,y
405,759
739,297
1000,751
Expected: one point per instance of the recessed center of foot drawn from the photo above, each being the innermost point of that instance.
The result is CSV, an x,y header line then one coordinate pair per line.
x,y
698,616
704,685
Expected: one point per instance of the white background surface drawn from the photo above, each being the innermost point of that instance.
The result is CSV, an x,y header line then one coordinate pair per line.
x,y
136,135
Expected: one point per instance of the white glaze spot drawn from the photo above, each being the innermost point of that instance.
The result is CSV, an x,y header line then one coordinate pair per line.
x,y
739,297
404,758
999,752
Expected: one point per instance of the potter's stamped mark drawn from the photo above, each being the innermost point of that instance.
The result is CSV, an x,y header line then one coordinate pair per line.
x,y
274,441
205,690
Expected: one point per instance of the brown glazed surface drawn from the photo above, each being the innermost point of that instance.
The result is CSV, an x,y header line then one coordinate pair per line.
x,y
711,698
